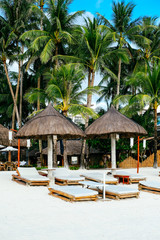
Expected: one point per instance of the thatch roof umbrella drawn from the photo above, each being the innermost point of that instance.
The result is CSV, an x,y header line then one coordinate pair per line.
x,y
110,124
48,125
4,138
1,146
9,149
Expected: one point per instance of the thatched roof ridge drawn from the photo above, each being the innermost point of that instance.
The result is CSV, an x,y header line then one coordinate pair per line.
x,y
4,138
114,122
50,122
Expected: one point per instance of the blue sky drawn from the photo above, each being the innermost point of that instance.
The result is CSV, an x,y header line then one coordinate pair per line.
x,y
104,7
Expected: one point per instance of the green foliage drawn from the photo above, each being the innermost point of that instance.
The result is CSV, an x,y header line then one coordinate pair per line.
x,y
73,168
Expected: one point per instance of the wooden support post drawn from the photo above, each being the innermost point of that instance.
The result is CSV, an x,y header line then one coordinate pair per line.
x,y
50,156
65,154
9,156
113,152
104,184
18,152
138,156
55,151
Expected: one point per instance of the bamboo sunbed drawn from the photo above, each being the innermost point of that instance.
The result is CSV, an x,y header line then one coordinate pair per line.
x,y
133,178
73,193
68,180
149,186
112,191
64,177
30,176
98,177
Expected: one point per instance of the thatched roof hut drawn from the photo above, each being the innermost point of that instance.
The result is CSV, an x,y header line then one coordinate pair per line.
x,y
48,125
50,122
110,124
4,138
113,122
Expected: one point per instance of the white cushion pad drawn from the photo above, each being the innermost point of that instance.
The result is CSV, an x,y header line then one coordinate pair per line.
x,y
153,184
75,191
69,178
99,177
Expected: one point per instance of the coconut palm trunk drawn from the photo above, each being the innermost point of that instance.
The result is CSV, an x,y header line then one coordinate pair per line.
x,y
118,82
155,136
16,97
91,77
66,165
21,90
39,83
11,90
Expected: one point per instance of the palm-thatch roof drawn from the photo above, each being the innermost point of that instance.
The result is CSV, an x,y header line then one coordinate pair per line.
x,y
113,122
50,122
73,147
4,138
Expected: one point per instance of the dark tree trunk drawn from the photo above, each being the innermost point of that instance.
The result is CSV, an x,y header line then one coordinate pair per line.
x,y
118,82
66,165
91,77
155,136
12,93
54,151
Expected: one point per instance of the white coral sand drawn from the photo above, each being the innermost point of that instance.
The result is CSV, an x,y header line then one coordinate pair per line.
x,y
29,213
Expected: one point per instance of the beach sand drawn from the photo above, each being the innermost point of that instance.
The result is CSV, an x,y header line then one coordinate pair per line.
x,y
29,213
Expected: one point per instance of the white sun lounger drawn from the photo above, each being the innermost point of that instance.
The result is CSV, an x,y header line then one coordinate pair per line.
x,y
30,176
73,193
131,178
64,176
149,186
98,177
112,191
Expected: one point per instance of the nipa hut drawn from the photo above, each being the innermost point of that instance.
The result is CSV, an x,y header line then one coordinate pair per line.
x,y
111,124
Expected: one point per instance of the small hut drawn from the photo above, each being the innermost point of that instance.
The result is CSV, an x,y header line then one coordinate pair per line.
x,y
111,124
4,138
50,125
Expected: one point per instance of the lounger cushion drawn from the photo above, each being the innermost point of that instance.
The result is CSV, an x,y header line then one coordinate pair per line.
x,y
65,174
131,176
99,177
74,191
61,172
27,171
70,178
31,174
119,189
35,178
152,184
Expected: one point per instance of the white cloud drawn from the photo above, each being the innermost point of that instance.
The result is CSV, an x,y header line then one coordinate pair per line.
x,y
13,67
158,21
80,19
98,3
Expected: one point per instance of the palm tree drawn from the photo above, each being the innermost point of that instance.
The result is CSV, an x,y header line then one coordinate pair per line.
x,y
14,22
57,31
149,50
148,94
64,90
124,30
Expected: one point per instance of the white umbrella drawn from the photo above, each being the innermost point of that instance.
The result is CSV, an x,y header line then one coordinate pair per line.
x,y
1,146
9,149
